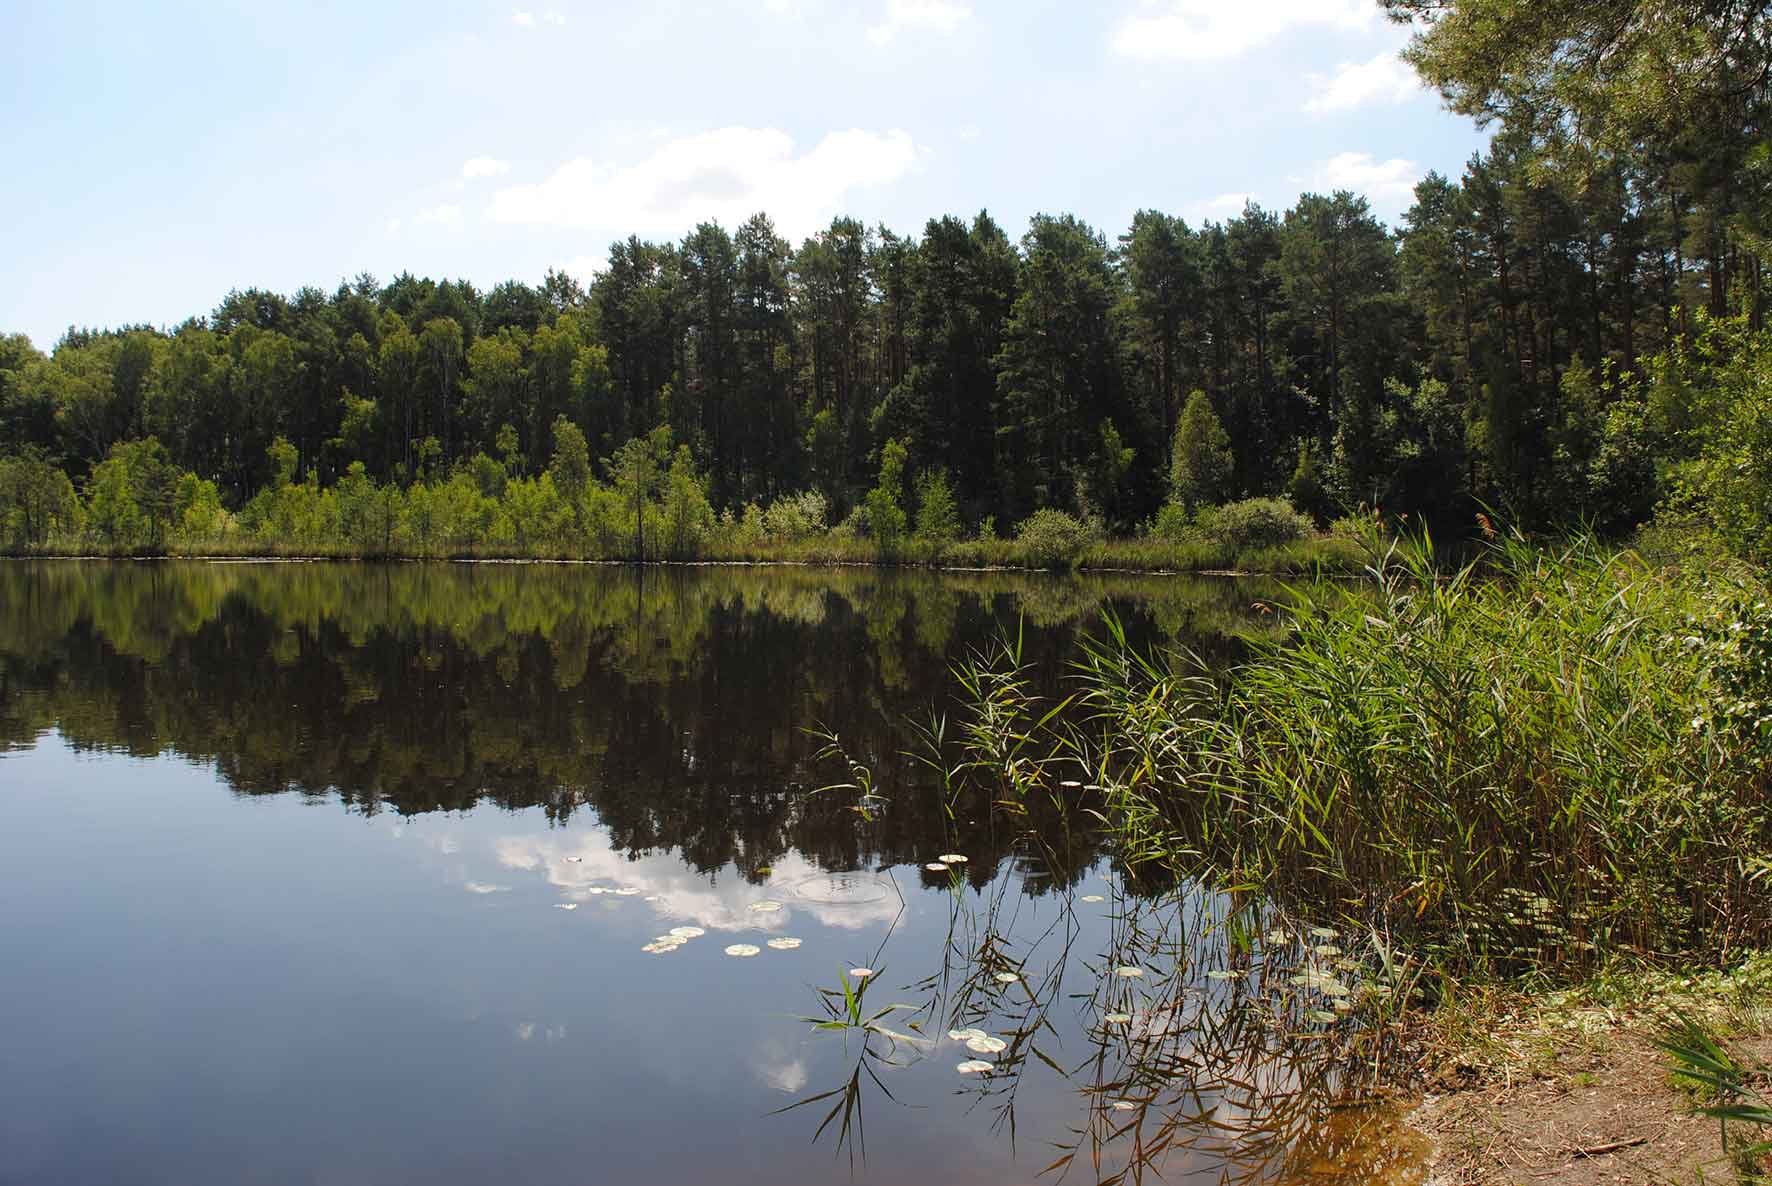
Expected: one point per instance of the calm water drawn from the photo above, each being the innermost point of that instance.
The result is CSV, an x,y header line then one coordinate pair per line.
x,y
343,874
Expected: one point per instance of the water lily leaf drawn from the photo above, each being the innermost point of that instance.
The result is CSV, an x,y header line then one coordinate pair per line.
x,y
966,1035
1220,974
1129,971
986,1044
1125,1106
565,905
743,949
765,906
628,891
936,867
952,858
1007,977
784,943
688,932
861,973
1092,898
973,1066
1116,1018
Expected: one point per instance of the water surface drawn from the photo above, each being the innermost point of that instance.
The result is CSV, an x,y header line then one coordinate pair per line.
x,y
345,873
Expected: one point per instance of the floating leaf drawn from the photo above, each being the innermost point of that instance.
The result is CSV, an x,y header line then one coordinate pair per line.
x,y
1125,1106
784,944
481,887
628,891
1320,1015
598,889
1092,898
1220,974
1116,1018
966,1035
657,948
565,905
1071,784
952,858
743,949
861,973
573,860
1327,950
688,932
765,906
1324,933
1129,971
985,1044
973,1066
1008,977
936,867
1278,937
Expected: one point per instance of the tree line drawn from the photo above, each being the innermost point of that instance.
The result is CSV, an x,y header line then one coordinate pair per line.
x,y
1523,341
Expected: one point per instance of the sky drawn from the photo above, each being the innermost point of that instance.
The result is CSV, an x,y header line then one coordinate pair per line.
x,y
161,154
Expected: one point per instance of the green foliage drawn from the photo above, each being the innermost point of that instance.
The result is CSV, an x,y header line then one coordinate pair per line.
x,y
1512,765
1200,459
36,500
1050,538
1253,523
884,504
938,519
794,517
571,465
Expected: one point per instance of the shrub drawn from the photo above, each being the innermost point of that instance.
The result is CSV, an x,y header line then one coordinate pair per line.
x,y
1052,539
795,516
1253,523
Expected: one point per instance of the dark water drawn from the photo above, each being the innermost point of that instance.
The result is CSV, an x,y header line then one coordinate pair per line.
x,y
286,851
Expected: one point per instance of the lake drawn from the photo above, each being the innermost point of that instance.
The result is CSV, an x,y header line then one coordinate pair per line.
x,y
335,873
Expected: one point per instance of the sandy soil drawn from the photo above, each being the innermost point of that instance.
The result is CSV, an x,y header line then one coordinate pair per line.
x,y
1600,1108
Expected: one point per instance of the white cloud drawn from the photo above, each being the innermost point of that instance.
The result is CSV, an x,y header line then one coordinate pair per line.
x,y
448,215
523,18
918,16
726,174
1217,209
1384,79
1385,183
554,16
1214,30
484,166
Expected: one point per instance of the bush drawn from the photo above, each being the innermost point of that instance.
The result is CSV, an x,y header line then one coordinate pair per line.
x,y
1052,539
1253,523
1172,523
795,516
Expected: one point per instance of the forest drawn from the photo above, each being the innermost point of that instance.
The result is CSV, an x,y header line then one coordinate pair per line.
x,y
1555,340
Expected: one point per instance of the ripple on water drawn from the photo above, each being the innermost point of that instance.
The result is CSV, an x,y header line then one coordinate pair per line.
x,y
843,889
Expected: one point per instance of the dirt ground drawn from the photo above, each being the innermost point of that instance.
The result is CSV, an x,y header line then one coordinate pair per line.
x,y
1596,1107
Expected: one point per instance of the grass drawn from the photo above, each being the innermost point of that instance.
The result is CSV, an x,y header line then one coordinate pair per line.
x,y
1527,765
1333,554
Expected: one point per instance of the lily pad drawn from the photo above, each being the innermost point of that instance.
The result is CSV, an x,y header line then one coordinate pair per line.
x,y
1323,1015
1220,974
1129,971
1278,937
952,858
986,1045
936,867
861,973
973,1066
1116,1018
688,932
628,891
565,905
1125,1106
1092,898
742,950
1324,933
1007,977
784,943
1071,784
599,889
765,906
966,1035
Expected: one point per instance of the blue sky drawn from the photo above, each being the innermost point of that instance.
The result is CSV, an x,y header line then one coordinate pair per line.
x,y
161,154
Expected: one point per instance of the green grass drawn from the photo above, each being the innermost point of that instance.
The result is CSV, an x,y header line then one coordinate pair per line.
x,y
1330,554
